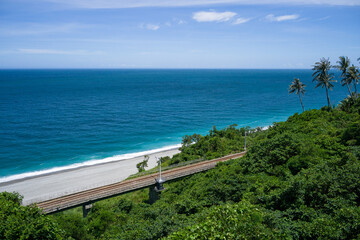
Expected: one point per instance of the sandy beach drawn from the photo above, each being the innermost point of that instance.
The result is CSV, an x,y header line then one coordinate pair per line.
x,y
48,186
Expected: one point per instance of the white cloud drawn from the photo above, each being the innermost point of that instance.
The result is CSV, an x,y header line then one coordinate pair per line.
x,y
150,26
175,21
172,3
53,51
241,21
273,18
213,16
179,21
41,29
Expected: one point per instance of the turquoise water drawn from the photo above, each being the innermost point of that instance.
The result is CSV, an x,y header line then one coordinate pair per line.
x,y
55,118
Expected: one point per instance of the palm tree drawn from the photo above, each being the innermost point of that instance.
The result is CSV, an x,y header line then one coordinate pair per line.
x,y
323,77
299,88
343,66
353,76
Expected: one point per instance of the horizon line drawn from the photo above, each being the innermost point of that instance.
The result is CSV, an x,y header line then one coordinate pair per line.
x,y
144,68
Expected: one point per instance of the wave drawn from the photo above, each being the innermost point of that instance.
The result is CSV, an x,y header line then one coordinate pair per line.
x,y
115,158
266,127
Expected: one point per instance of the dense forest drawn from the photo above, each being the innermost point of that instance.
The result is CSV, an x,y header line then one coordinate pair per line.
x,y
300,179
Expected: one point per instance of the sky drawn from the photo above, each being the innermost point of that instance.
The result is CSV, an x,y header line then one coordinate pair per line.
x,y
245,34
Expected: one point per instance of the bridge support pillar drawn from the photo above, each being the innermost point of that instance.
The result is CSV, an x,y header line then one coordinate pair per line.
x,y
86,209
153,194
155,191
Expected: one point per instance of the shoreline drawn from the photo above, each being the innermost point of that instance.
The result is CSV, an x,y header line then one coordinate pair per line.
x,y
67,181
117,158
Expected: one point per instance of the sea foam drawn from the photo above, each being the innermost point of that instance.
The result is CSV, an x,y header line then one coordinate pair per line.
x,y
115,158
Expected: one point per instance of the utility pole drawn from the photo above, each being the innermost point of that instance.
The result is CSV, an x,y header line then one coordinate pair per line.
x,y
245,142
155,191
160,181
160,170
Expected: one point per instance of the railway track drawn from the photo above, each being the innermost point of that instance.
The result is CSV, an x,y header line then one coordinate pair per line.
x,y
92,195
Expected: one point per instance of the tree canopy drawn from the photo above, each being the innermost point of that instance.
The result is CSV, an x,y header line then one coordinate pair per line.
x,y
19,222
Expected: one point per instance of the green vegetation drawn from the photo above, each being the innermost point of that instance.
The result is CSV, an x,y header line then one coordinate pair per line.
x,y
216,144
301,181
18,222
142,165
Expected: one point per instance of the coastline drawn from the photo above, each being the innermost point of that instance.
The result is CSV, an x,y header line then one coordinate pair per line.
x,y
89,163
54,184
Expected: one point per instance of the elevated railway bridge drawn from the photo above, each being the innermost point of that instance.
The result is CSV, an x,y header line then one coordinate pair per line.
x,y
88,197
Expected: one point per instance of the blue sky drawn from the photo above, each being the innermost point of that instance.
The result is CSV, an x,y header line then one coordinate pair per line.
x,y
177,34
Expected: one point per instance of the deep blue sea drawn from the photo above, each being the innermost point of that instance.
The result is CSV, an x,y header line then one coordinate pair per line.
x,y
55,118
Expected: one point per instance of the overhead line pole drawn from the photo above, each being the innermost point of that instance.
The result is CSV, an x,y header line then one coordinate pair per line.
x,y
245,142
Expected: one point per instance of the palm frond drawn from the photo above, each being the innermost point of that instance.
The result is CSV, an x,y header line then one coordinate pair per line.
x,y
353,75
297,86
344,63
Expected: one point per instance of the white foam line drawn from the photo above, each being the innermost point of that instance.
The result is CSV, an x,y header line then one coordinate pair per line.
x,y
87,163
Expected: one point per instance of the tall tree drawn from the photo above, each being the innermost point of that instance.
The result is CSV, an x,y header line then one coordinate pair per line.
x,y
299,88
323,77
344,64
353,76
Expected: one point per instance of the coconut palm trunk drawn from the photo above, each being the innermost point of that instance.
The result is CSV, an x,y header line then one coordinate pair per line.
x,y
347,84
301,103
328,98
355,87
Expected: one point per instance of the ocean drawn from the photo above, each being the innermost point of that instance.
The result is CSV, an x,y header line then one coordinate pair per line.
x,y
58,119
